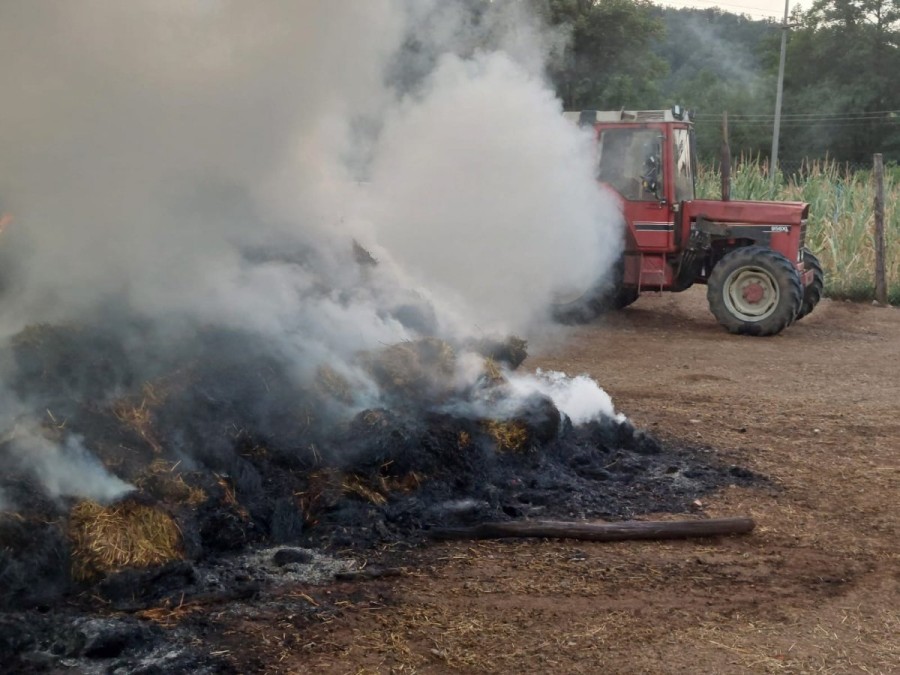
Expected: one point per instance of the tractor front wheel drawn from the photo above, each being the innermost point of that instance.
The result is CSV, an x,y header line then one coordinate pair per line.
x,y
755,291
814,292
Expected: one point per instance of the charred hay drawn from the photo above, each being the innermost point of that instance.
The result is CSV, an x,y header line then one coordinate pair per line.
x,y
228,453
232,452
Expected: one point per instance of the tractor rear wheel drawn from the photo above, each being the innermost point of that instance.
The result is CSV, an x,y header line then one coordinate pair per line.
x,y
625,295
585,307
606,295
812,293
754,291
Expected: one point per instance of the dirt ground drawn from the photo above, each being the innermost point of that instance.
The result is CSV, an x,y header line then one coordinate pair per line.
x,y
813,590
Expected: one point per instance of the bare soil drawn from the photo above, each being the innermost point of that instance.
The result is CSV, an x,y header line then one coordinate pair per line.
x,y
813,590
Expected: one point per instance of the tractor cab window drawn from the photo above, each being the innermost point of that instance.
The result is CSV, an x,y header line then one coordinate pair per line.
x,y
631,162
684,166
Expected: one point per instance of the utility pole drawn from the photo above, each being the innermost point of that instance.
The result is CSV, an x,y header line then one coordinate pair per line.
x,y
773,161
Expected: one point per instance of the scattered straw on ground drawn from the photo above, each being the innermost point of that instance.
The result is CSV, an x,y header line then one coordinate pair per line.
x,y
169,614
107,539
854,634
429,636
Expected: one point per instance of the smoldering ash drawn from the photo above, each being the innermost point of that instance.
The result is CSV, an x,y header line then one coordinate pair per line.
x,y
284,184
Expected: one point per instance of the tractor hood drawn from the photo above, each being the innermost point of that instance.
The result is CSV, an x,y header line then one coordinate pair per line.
x,y
735,211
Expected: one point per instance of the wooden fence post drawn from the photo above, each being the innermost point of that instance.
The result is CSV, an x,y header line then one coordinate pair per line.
x,y
881,294
725,161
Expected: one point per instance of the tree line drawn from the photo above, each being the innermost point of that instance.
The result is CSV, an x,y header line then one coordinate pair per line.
x,y
841,85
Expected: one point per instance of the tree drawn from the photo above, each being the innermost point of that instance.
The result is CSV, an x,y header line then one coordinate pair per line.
x,y
840,80
609,63
717,65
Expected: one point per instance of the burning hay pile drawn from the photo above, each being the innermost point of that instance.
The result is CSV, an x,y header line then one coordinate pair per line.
x,y
160,481
224,452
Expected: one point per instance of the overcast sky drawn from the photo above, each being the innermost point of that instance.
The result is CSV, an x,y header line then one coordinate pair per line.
x,y
758,9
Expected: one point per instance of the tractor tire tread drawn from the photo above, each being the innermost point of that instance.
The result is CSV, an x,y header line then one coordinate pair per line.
x,y
814,292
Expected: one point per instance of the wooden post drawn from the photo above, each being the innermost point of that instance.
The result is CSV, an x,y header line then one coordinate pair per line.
x,y
881,296
725,160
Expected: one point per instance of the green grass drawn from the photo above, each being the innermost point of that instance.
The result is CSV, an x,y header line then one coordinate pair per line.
x,y
841,216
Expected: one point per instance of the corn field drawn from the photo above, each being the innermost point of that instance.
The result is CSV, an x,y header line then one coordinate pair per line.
x,y
841,216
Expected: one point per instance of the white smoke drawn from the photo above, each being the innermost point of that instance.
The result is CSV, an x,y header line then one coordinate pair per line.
x,y
580,398
484,190
65,468
146,146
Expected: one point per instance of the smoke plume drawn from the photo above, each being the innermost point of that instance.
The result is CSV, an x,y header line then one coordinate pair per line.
x,y
66,468
174,166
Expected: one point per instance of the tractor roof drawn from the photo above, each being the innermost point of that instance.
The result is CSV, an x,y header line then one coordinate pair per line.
x,y
676,114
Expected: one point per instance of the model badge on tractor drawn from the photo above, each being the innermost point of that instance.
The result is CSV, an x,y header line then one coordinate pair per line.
x,y
760,277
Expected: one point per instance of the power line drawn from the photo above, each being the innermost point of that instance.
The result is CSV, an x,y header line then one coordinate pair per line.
x,y
872,115
744,10
797,124
815,114
815,120
809,120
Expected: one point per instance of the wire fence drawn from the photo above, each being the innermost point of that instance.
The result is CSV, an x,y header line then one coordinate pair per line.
x,y
875,117
801,169
841,196
847,139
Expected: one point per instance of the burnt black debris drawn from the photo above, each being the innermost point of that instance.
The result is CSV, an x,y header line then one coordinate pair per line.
x,y
228,451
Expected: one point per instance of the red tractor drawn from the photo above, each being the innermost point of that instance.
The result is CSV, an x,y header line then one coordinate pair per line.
x,y
760,277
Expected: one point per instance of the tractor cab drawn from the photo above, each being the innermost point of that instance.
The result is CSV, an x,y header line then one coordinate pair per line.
x,y
647,158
